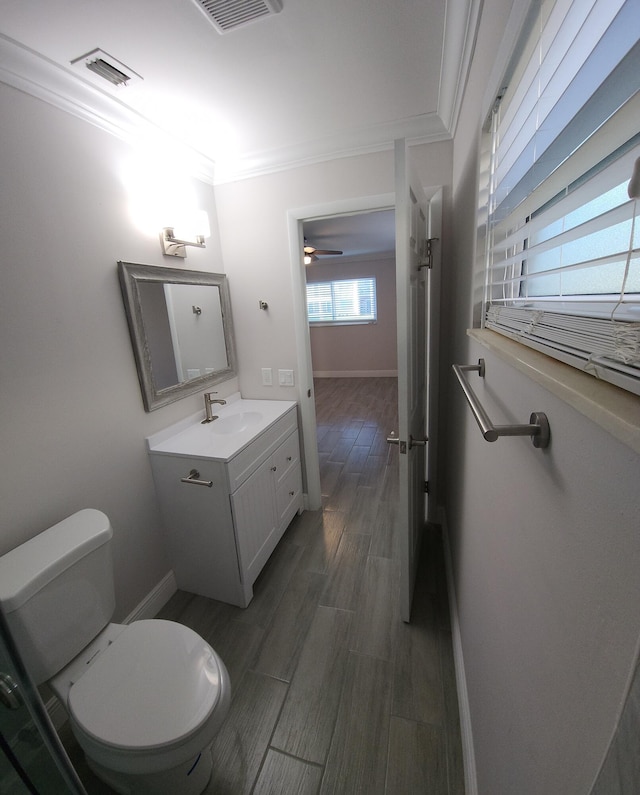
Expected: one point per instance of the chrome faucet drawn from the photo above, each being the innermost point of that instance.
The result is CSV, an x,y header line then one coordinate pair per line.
x,y
209,400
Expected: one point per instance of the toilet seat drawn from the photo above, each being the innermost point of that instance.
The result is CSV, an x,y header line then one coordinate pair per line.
x,y
150,698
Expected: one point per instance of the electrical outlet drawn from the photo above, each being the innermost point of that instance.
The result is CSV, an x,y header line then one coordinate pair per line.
x,y
285,377
267,376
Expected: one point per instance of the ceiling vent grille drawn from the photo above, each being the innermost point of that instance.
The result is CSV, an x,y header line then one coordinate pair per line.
x,y
106,67
109,72
225,15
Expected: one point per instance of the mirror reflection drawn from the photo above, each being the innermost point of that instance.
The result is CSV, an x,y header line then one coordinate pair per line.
x,y
181,330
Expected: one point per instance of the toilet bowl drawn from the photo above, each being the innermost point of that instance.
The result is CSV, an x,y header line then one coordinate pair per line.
x,y
145,700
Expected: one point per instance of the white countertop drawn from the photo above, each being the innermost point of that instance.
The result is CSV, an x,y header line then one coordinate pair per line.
x,y
190,437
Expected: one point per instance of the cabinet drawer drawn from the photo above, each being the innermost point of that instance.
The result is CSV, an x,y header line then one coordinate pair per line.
x,y
286,457
289,496
249,459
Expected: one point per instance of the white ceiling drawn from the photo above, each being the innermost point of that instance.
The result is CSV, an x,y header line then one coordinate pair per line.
x,y
359,236
319,79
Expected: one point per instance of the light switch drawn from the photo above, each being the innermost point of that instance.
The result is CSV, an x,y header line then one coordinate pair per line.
x,y
285,377
267,376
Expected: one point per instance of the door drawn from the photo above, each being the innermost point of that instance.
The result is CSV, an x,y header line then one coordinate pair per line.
x,y
434,275
412,296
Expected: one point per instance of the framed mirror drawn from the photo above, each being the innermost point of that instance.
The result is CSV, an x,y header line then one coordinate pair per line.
x,y
181,330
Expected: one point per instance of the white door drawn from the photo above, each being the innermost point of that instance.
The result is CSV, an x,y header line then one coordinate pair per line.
x,y
412,295
433,275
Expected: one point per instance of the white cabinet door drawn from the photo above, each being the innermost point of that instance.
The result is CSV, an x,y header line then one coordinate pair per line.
x,y
265,504
254,513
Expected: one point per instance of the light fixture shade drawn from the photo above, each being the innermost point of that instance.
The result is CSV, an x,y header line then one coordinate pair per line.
x,y
190,225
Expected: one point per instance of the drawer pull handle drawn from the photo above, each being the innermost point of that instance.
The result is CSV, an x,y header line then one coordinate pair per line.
x,y
194,476
291,493
289,458
273,469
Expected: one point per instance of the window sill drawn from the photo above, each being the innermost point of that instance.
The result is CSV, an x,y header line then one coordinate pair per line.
x,y
612,408
325,323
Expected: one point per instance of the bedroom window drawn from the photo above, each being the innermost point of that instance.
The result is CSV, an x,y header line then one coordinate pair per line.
x,y
562,238
344,301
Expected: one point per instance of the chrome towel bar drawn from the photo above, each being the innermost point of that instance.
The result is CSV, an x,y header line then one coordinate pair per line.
x,y
537,429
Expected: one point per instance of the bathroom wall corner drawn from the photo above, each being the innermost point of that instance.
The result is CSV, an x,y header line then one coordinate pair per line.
x,y
155,600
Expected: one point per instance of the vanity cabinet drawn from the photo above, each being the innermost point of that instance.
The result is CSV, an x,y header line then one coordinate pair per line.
x,y
219,536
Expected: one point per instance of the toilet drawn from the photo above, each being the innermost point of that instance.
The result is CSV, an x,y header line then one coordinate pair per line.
x,y
145,700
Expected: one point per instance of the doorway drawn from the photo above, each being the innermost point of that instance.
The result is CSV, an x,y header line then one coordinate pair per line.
x,y
418,226
297,219
352,327
351,294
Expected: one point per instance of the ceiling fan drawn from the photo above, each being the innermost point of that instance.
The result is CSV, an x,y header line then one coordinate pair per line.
x,y
311,254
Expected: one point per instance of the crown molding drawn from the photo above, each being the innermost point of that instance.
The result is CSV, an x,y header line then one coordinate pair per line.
x,y
420,129
462,21
33,74
36,75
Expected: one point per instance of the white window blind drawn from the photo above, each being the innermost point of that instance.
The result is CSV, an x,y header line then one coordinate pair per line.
x,y
563,244
342,301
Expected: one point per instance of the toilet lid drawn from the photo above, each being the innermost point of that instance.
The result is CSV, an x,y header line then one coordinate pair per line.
x,y
156,684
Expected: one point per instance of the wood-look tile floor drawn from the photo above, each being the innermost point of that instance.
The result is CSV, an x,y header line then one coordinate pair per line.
x,y
332,692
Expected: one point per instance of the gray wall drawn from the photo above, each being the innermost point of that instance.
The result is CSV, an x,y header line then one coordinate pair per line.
x,y
266,339
360,349
72,423
545,544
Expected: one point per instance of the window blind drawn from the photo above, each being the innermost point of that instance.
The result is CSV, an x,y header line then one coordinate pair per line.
x,y
563,244
342,301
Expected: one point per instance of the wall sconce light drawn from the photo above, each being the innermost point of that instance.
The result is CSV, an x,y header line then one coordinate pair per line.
x,y
174,246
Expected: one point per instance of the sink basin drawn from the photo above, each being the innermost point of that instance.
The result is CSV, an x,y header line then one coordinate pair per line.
x,y
236,423
239,421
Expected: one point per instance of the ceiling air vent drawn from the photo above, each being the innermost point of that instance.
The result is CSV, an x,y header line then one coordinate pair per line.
x,y
225,15
105,66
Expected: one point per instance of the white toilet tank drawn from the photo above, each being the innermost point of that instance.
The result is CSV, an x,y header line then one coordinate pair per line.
x,y
56,591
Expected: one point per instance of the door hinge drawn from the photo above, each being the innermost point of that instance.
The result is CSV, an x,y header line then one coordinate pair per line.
x,y
426,487
427,258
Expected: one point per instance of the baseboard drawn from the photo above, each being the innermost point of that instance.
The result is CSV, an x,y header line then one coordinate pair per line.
x,y
149,607
155,600
468,754
355,373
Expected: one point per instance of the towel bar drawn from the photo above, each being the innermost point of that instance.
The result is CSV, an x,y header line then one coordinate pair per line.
x,y
193,478
538,427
